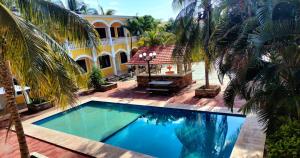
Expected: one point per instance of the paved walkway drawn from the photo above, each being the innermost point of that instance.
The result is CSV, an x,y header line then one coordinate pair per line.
x,y
10,149
127,91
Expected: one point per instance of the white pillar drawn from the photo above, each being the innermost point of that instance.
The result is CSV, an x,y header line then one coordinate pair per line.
x,y
113,54
126,41
94,55
137,70
114,64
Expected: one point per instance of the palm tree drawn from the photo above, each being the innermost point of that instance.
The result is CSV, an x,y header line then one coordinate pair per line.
x,y
107,12
134,27
260,53
139,25
35,59
77,6
156,37
194,26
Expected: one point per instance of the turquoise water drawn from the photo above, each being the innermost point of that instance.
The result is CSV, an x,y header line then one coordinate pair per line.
x,y
92,121
159,132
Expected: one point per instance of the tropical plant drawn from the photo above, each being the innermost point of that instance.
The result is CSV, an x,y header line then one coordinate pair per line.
x,y
138,25
194,27
169,26
259,50
96,78
78,6
156,37
134,27
35,58
108,11
285,141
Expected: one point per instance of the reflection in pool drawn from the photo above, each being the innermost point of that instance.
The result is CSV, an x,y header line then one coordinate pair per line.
x,y
180,134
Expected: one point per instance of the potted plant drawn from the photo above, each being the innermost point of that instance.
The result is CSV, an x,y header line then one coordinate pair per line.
x,y
39,104
97,81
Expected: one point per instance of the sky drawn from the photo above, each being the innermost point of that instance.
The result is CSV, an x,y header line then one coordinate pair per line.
x,y
159,9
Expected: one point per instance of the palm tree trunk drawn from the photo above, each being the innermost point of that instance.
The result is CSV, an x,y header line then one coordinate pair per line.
x,y
206,44
206,73
7,83
130,42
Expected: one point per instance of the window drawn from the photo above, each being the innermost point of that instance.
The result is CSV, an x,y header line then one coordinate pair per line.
x,y
101,32
82,64
120,32
112,31
123,57
104,61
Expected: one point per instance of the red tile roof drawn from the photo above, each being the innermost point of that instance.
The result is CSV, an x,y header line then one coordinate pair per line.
x,y
163,55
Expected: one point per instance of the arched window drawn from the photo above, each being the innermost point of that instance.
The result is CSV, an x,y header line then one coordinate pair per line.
x,y
104,61
123,57
82,64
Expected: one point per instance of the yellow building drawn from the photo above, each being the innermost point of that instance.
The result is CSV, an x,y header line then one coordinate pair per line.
x,y
116,45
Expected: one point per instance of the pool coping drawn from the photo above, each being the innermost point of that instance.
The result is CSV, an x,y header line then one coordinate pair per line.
x,y
250,142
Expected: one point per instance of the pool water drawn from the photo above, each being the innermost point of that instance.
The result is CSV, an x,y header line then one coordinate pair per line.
x,y
158,132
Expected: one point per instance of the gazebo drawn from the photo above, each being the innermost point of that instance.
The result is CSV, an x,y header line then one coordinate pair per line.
x,y
163,67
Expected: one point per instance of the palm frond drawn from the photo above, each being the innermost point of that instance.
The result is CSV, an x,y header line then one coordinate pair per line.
x,y
63,24
38,61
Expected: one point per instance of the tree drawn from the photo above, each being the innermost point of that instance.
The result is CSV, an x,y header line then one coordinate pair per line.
x,y
169,26
156,37
138,25
35,59
193,29
96,78
78,6
259,50
108,11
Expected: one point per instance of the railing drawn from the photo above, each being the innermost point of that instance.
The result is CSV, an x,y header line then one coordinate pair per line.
x,y
104,41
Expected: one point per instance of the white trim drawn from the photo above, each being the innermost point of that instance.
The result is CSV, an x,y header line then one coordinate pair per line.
x,y
116,21
100,21
120,50
83,56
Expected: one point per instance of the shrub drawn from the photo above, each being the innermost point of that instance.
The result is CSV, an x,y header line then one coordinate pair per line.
x,y
285,142
96,78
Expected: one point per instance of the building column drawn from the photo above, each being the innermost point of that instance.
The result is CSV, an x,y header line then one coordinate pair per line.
x,y
116,32
127,44
113,54
114,64
94,55
136,70
179,68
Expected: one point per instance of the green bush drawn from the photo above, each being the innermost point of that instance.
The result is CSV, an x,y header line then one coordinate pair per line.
x,y
96,78
285,142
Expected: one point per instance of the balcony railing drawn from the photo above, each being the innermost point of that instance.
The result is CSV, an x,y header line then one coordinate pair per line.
x,y
104,41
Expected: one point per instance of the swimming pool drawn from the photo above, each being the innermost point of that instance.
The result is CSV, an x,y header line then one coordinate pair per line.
x,y
159,132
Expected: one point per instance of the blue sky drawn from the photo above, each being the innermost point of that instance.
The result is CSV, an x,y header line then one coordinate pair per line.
x,y
159,9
